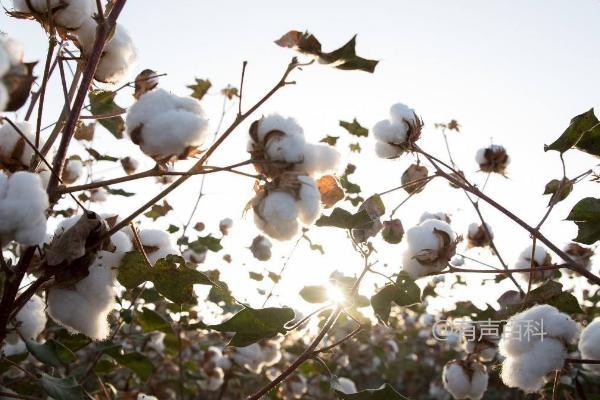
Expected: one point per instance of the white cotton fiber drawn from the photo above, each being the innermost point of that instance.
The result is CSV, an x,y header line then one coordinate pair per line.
x,y
589,345
465,381
72,171
529,358
441,216
30,320
309,206
319,159
277,215
23,204
276,122
157,244
165,125
541,258
85,307
423,242
9,137
69,14
3,96
118,58
392,134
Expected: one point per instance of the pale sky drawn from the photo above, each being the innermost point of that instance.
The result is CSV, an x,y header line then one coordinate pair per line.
x,y
514,72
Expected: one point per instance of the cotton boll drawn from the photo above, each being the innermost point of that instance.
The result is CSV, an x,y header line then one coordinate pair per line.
x,y
589,345
346,385
276,122
119,56
22,209
296,386
69,14
4,60
225,225
11,349
13,49
31,319
414,268
215,378
386,150
157,244
261,248
399,133
527,371
286,148
492,159
309,205
401,113
270,352
277,214
249,357
391,133
72,171
98,195
541,257
13,148
479,235
465,380
194,257
426,248
166,125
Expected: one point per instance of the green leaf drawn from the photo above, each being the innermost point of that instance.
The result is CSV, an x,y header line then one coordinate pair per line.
x,y
151,321
314,294
341,218
172,276
385,392
172,228
355,147
62,389
100,157
255,276
251,325
103,103
119,192
200,88
550,293
566,303
583,133
330,140
158,210
404,292
138,363
204,243
355,128
51,352
344,58
586,214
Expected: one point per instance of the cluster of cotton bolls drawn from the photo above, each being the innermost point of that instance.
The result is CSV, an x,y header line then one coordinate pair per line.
x,y
430,245
492,159
23,204
166,125
530,357
541,258
84,306
257,356
589,345
11,58
398,133
465,379
30,321
291,198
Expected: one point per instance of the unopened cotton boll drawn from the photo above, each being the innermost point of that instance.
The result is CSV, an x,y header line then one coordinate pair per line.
x,y
23,203
261,248
69,14
541,258
157,244
30,320
430,246
528,359
398,134
465,380
589,345
166,125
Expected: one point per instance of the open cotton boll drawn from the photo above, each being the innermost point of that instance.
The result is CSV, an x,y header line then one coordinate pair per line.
x,y
589,345
465,380
11,349
396,135
23,203
492,159
225,225
270,352
541,257
69,14
277,215
249,357
440,216
318,159
118,58
479,235
31,319
426,250
157,244
166,125
13,148
276,122
13,50
296,386
72,171
214,379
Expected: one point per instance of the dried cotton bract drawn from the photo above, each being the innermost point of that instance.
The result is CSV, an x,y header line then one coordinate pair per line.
x,y
23,204
465,380
165,125
529,358
589,345
399,133
431,245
